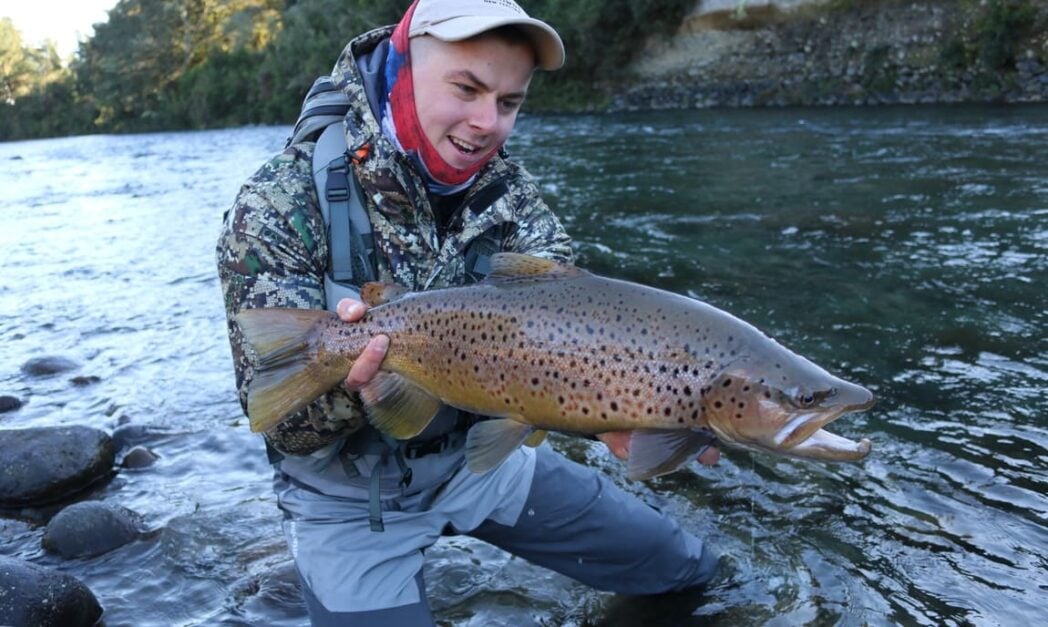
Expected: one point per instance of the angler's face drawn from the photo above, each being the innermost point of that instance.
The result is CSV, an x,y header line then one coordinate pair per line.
x,y
468,93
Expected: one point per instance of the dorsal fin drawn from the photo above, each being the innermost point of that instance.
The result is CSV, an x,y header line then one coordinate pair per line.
x,y
515,267
374,293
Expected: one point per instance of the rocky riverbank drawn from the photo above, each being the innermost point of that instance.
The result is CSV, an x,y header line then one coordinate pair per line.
x,y
845,52
46,471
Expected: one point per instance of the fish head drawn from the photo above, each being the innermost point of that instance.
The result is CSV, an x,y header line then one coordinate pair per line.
x,y
783,410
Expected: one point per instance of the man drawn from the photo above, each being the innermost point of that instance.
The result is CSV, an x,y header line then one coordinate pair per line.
x,y
431,103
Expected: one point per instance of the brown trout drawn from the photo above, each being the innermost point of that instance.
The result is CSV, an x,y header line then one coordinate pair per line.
x,y
539,346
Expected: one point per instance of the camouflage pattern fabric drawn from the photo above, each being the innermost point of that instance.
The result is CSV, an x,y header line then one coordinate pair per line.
x,y
273,248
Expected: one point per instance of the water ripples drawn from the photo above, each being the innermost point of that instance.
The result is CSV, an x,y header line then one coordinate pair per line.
x,y
901,248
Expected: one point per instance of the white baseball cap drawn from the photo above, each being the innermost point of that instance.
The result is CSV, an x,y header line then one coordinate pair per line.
x,y
455,20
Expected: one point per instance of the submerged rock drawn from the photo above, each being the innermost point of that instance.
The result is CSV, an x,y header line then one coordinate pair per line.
x,y
47,366
91,528
32,595
139,457
10,403
47,464
82,381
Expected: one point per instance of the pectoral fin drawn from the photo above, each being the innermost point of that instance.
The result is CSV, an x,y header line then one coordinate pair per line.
x,y
398,407
490,442
658,452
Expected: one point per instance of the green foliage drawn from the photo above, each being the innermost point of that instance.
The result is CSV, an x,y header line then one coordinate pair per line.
x,y
601,36
168,64
998,27
879,74
314,33
33,80
993,31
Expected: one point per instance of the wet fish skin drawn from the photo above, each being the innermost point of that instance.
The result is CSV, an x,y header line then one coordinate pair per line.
x,y
547,346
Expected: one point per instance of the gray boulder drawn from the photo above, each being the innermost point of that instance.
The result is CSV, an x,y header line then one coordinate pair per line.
x,y
91,528
47,464
32,595
48,366
10,403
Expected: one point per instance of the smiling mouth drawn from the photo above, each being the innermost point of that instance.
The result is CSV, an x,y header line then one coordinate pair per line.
x,y
463,147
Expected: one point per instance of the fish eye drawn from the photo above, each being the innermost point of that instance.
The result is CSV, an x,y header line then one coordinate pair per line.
x,y
806,400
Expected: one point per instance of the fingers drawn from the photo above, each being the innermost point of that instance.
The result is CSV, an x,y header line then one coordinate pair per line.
x,y
368,364
350,310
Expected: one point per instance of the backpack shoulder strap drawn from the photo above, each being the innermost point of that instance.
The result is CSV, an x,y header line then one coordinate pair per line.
x,y
323,105
351,246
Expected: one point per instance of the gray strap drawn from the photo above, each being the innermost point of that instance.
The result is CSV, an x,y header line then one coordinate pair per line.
x,y
337,193
351,244
375,494
392,447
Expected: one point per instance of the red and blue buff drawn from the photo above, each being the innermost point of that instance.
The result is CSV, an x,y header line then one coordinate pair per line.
x,y
400,113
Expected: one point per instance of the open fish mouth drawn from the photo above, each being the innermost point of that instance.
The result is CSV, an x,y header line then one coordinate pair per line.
x,y
804,436
828,446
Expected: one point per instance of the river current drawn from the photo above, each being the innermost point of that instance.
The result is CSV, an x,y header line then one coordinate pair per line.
x,y
902,248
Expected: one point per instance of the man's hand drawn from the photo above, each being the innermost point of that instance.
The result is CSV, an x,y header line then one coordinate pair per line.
x,y
367,365
619,444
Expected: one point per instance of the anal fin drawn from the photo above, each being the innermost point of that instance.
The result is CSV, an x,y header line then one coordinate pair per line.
x,y
490,442
659,452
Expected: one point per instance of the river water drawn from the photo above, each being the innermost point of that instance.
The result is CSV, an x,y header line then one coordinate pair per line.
x,y
902,248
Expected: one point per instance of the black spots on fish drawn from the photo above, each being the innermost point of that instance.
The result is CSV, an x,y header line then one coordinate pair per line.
x,y
614,406
687,390
727,383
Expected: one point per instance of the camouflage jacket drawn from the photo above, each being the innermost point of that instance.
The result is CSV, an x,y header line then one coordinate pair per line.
x,y
273,248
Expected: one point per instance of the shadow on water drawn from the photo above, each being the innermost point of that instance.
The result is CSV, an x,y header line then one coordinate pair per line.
x,y
901,248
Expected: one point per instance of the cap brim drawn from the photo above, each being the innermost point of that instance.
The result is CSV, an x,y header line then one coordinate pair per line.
x,y
548,46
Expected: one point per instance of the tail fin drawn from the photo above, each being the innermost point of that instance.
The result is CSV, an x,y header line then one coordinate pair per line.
x,y
287,375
